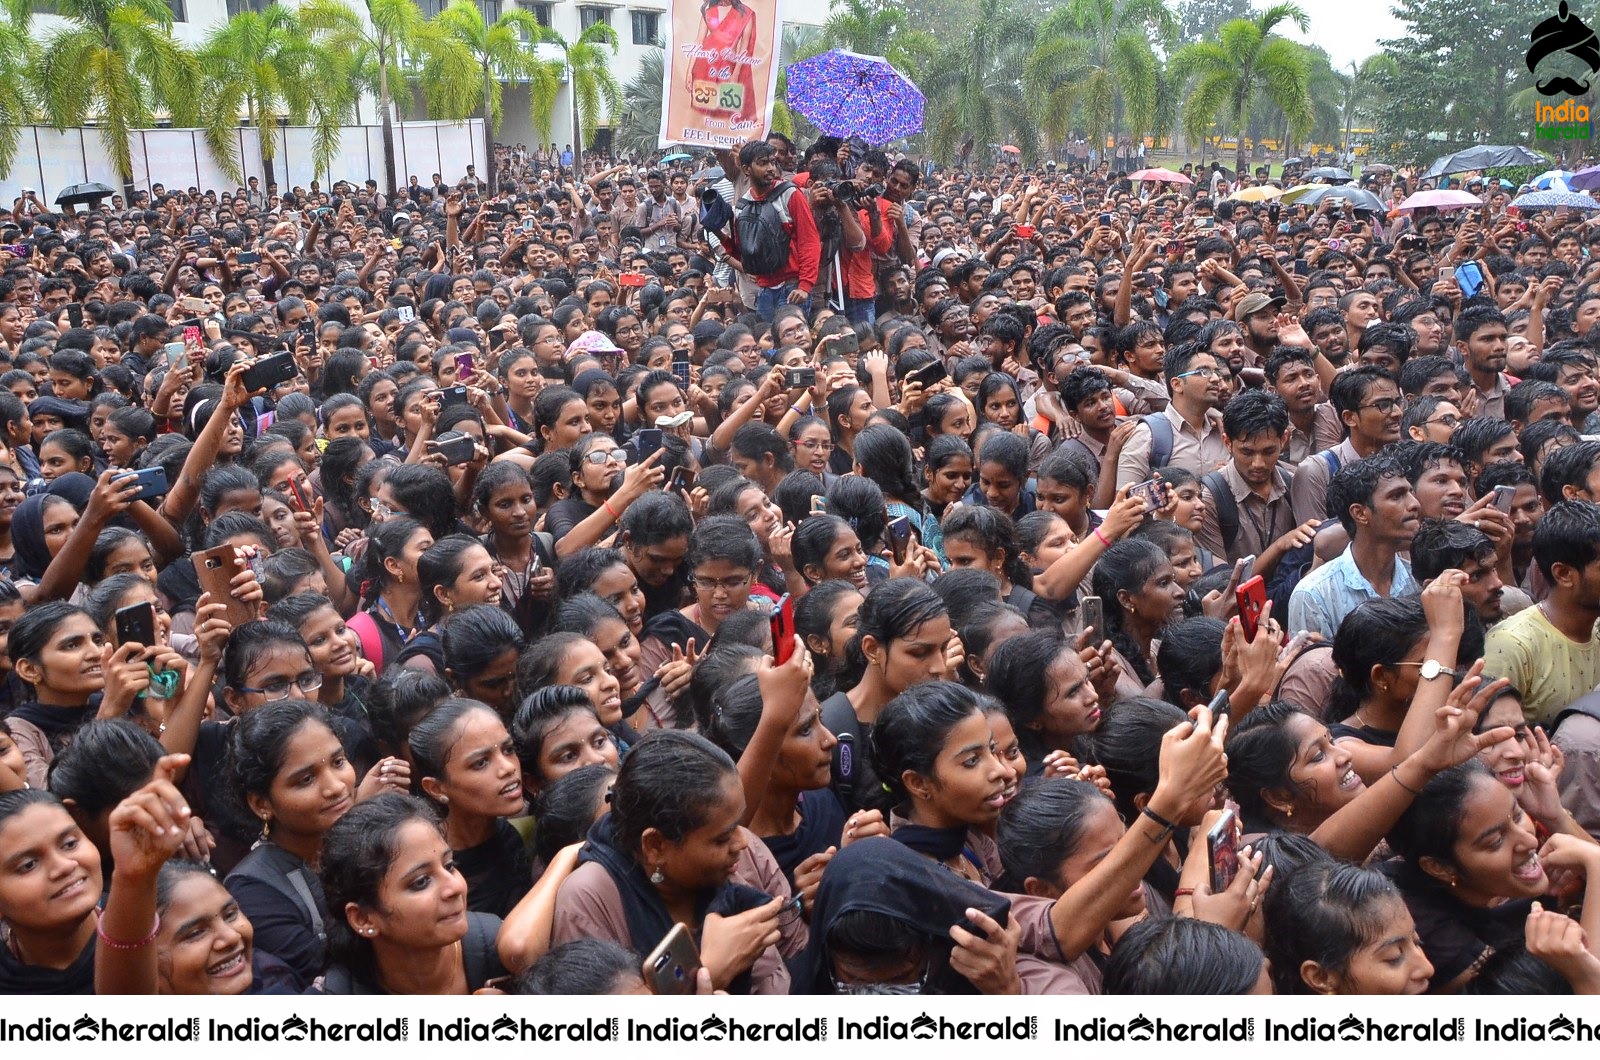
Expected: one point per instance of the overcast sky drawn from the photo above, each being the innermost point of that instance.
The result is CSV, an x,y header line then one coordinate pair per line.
x,y
1348,29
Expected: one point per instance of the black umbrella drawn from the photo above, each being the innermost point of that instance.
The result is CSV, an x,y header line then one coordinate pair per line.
x,y
1329,174
1295,161
1484,156
91,192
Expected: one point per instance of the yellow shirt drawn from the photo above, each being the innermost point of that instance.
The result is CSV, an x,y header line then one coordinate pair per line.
x,y
1548,669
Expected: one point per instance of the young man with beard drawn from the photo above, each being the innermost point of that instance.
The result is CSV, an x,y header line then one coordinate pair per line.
x,y
792,281
1449,544
1368,403
1374,502
1258,314
1480,333
1325,327
1313,425
1572,368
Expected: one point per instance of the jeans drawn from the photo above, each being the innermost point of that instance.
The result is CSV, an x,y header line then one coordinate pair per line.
x,y
770,298
861,310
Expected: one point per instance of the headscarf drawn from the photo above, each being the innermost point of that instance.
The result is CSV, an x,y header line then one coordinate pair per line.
x,y
31,553
882,876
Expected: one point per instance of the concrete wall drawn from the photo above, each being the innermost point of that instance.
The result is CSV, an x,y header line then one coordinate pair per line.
x,y
48,160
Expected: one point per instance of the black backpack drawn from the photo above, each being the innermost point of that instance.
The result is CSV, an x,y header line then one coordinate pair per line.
x,y
758,231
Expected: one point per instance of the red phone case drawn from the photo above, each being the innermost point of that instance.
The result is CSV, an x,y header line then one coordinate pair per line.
x,y
1252,597
783,630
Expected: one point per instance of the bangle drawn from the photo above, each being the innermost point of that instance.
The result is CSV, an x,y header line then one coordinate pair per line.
x,y
797,410
1103,539
1167,827
1183,892
1394,771
606,504
111,943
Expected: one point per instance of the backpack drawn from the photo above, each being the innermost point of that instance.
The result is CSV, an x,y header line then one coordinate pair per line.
x,y
288,875
759,233
1160,440
1228,508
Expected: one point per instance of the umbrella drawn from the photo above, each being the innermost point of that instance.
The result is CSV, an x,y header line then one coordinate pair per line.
x,y
678,157
1585,179
1259,193
1439,200
1377,167
1312,194
1295,161
91,192
1167,175
1552,180
849,94
1331,174
1549,200
1484,156
1011,149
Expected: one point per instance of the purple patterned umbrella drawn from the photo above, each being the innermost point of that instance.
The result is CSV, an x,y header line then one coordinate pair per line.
x,y
850,94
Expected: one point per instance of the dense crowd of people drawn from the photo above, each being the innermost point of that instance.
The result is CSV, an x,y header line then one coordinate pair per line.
x,y
797,573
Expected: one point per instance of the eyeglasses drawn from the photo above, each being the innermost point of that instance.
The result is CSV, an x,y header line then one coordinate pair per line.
x,y
727,585
273,691
602,456
631,329
381,511
1385,405
815,446
1446,420
1203,373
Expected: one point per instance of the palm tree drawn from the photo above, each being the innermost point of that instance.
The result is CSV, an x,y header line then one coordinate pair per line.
x,y
393,34
639,129
1094,59
876,28
589,79
503,50
1246,63
264,64
973,88
117,62
16,52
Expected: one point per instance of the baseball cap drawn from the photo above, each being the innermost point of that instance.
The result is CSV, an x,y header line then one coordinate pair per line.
x,y
945,255
1255,302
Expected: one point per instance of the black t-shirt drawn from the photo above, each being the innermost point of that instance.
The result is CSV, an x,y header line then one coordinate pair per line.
x,y
566,514
498,872
1456,937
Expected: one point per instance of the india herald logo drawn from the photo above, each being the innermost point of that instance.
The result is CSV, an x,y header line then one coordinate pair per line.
x,y
1563,37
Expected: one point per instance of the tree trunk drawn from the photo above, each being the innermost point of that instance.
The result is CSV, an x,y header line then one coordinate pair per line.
x,y
577,129
1238,158
264,141
488,134
388,127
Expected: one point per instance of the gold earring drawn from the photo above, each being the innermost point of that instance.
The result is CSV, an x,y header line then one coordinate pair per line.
x,y
1289,812
266,828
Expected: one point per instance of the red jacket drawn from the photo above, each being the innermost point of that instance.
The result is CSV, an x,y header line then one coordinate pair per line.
x,y
859,278
805,246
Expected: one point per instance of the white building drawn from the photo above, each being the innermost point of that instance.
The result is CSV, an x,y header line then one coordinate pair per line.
x,y
639,25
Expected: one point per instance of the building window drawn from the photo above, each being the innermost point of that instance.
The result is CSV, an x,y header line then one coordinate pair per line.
x,y
541,13
589,16
239,7
646,27
177,9
490,9
430,8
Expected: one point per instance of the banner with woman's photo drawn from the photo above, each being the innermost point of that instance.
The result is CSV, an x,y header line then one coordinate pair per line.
x,y
721,71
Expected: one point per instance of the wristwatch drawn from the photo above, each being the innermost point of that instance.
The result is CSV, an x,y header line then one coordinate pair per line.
x,y
1432,668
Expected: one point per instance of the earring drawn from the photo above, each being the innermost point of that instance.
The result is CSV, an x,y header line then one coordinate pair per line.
x,y
266,828
657,878
1289,812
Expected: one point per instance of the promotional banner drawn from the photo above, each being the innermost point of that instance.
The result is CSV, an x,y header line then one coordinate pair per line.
x,y
721,71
